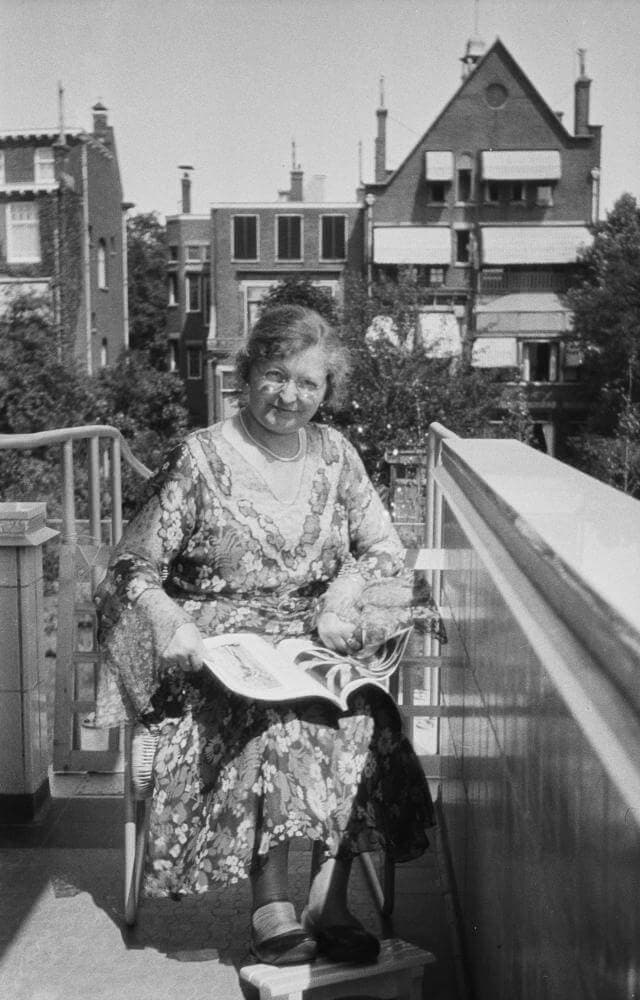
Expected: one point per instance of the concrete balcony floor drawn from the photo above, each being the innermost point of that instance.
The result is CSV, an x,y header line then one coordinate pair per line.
x,y
63,937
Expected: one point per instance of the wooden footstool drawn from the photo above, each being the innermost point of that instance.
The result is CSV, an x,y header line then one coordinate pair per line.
x,y
397,975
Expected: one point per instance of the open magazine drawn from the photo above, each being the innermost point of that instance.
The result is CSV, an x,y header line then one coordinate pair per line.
x,y
298,668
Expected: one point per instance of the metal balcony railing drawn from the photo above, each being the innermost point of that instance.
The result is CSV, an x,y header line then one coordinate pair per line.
x,y
82,553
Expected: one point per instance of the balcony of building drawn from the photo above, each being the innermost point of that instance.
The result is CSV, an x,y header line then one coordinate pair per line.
x,y
527,723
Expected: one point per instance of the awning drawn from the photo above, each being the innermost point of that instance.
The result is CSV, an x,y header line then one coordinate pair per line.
x,y
411,245
521,165
532,244
439,334
531,313
494,352
439,165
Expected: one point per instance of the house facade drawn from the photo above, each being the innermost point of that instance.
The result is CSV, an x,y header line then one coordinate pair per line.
x,y
491,207
63,234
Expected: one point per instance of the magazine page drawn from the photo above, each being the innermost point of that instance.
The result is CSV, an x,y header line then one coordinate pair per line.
x,y
297,668
249,665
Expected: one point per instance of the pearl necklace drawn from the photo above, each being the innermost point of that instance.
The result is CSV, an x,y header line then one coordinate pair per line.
x,y
263,447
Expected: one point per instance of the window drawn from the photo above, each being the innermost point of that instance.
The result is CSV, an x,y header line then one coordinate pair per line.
x,y
289,229
464,178
194,362
173,252
517,191
333,237
174,355
45,167
23,233
544,195
102,265
463,242
436,276
103,353
437,192
206,297
226,391
192,290
254,295
172,283
245,237
193,253
539,361
492,193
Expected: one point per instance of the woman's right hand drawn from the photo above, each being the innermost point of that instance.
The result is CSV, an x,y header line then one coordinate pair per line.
x,y
186,648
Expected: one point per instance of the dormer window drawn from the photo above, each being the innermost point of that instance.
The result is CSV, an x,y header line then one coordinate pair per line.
x,y
439,175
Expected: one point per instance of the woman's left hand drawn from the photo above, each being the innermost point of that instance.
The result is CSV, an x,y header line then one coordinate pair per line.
x,y
337,633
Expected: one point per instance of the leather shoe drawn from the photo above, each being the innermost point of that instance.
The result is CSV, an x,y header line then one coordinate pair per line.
x,y
343,942
294,947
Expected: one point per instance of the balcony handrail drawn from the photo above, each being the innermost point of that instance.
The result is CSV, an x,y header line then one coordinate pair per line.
x,y
93,433
40,439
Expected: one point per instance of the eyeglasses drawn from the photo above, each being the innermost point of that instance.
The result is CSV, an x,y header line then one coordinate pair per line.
x,y
274,380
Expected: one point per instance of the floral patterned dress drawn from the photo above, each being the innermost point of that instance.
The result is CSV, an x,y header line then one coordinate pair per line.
x,y
213,545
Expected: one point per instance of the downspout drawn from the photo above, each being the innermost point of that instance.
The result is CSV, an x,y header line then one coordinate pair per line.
x,y
595,196
87,257
125,275
369,202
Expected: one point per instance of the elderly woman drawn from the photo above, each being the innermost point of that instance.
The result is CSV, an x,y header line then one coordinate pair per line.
x,y
265,522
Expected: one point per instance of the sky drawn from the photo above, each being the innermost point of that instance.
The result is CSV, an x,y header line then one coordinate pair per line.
x,y
227,85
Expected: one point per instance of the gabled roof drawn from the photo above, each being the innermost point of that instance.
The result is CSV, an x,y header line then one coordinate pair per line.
x,y
534,95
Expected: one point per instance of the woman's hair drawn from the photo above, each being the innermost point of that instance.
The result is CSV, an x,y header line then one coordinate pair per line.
x,y
289,329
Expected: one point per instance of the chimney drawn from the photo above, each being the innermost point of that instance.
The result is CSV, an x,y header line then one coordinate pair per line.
x,y
100,122
581,102
186,188
381,139
296,176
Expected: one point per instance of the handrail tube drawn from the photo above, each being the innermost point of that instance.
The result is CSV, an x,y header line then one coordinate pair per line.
x,y
41,439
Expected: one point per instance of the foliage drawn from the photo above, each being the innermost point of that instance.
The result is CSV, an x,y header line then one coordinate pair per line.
x,y
300,291
606,305
147,406
39,392
147,267
398,388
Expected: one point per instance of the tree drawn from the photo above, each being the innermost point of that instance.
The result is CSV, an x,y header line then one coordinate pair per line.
x,y
299,291
147,406
606,306
399,386
147,268
37,391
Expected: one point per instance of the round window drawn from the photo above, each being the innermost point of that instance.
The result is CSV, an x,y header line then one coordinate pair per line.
x,y
496,95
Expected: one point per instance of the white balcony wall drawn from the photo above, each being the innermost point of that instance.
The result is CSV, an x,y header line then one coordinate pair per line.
x,y
542,715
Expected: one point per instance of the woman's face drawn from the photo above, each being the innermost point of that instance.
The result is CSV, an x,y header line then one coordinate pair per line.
x,y
285,393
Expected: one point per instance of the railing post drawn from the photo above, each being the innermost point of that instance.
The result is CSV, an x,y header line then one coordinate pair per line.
x,y
24,739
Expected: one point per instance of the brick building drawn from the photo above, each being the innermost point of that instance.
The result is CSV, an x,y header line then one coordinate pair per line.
x,y
62,233
491,206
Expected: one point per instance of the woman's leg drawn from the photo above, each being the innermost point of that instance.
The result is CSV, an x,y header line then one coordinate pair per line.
x,y
277,937
340,936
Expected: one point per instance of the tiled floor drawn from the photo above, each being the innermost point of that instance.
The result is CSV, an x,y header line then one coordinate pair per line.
x,y
62,935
